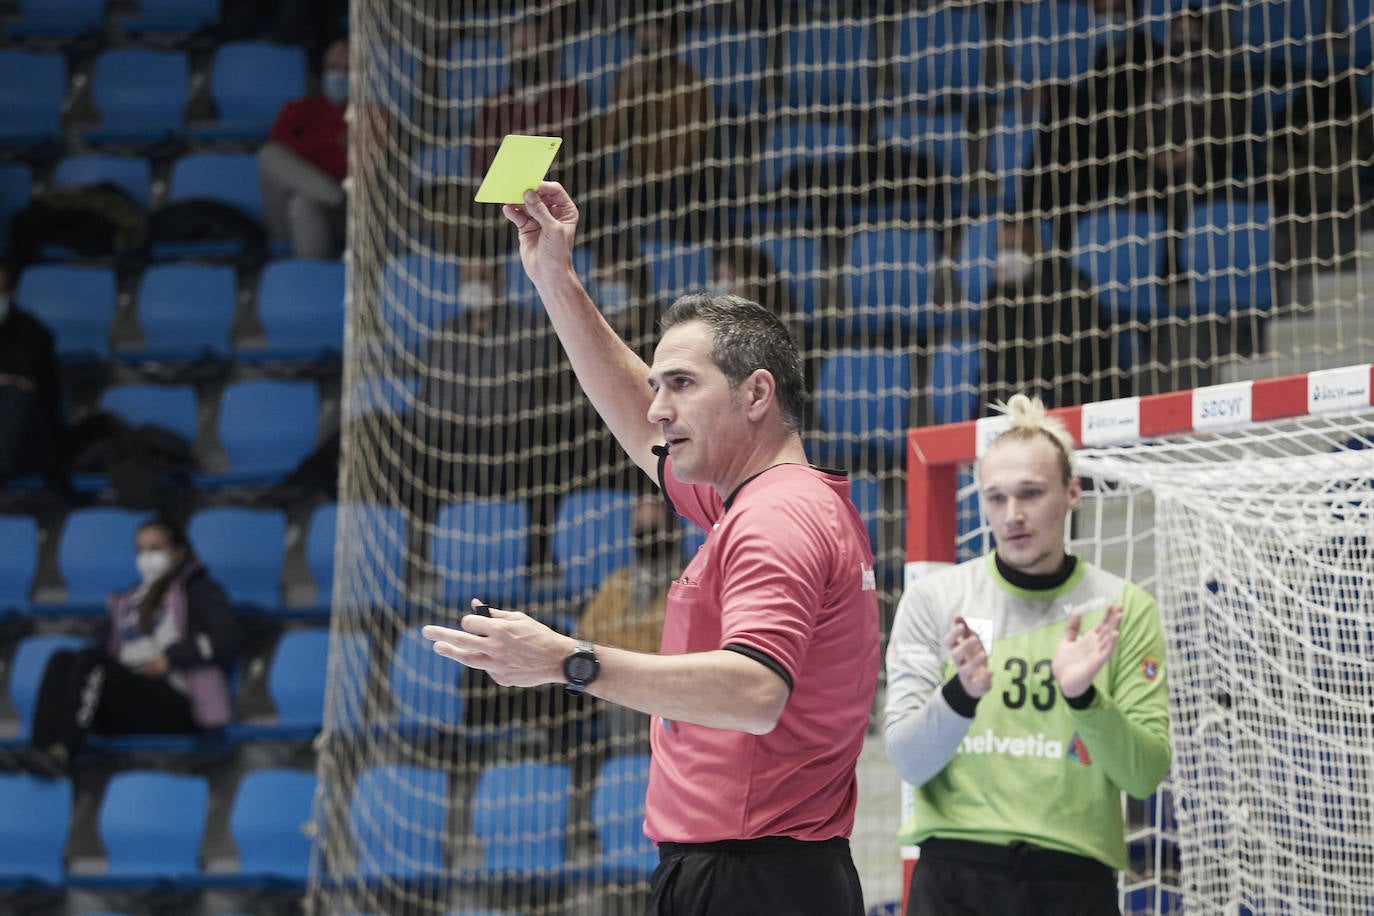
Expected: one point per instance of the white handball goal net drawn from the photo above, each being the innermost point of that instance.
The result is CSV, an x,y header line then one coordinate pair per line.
x,y
1247,511
945,201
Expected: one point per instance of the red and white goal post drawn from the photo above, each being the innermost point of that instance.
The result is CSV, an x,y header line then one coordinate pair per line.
x,y
1247,510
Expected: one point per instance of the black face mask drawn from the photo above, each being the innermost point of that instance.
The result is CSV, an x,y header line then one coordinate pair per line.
x,y
653,545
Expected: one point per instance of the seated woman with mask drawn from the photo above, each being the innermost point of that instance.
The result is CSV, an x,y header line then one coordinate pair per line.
x,y
159,662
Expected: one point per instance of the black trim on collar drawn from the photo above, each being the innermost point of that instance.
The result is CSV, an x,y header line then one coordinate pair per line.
x,y
730,500
1037,583
763,658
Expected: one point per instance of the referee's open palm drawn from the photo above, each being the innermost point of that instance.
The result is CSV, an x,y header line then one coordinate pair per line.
x,y
1080,656
547,222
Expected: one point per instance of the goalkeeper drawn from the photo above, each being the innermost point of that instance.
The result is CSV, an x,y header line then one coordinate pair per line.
x,y
1026,691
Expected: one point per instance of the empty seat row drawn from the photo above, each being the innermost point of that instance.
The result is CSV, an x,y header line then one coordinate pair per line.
x,y
187,311
152,824
140,94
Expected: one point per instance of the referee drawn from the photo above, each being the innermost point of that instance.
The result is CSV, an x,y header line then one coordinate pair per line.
x,y
769,661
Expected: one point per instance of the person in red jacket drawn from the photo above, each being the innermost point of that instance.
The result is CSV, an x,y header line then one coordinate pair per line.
x,y
303,164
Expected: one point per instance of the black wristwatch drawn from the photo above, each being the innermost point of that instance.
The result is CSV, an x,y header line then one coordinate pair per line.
x,y
581,667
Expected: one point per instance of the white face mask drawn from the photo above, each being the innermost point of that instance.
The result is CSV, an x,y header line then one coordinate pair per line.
x,y
1013,266
475,296
153,565
334,85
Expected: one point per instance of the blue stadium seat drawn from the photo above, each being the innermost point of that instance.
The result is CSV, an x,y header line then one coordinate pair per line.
x,y
800,142
140,95
797,260
16,190
940,56
977,254
389,395
394,76
867,493
172,16
300,306
594,60
955,368
230,178
33,85
1010,150
477,67
889,283
244,550
1122,253
592,537
938,136
1228,251
186,312
675,269
520,813
373,553
130,173
34,840
249,83
169,406
482,549
731,64
399,819
319,551
828,65
151,823
618,814
419,293
18,562
267,427
27,665
1051,41
95,556
270,810
862,400
424,685
77,303
58,19
296,680
1284,36
440,163
521,292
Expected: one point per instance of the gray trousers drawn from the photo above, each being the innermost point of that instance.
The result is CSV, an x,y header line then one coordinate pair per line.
x,y
301,204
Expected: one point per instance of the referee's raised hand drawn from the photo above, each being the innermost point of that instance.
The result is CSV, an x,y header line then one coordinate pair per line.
x,y
547,222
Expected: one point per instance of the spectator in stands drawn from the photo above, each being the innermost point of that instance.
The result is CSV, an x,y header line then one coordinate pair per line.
x,y
30,390
1093,145
627,610
748,272
303,164
159,663
1041,329
1022,723
628,303
536,101
659,122
1197,115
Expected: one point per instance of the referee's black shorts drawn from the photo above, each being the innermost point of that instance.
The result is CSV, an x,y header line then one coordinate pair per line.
x,y
962,878
771,876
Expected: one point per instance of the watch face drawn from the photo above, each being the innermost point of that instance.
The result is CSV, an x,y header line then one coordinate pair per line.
x,y
581,669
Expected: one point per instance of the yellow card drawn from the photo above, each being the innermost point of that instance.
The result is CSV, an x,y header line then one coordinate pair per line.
x,y
520,164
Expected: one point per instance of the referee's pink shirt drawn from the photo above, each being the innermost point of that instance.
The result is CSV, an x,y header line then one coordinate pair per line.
x,y
786,574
